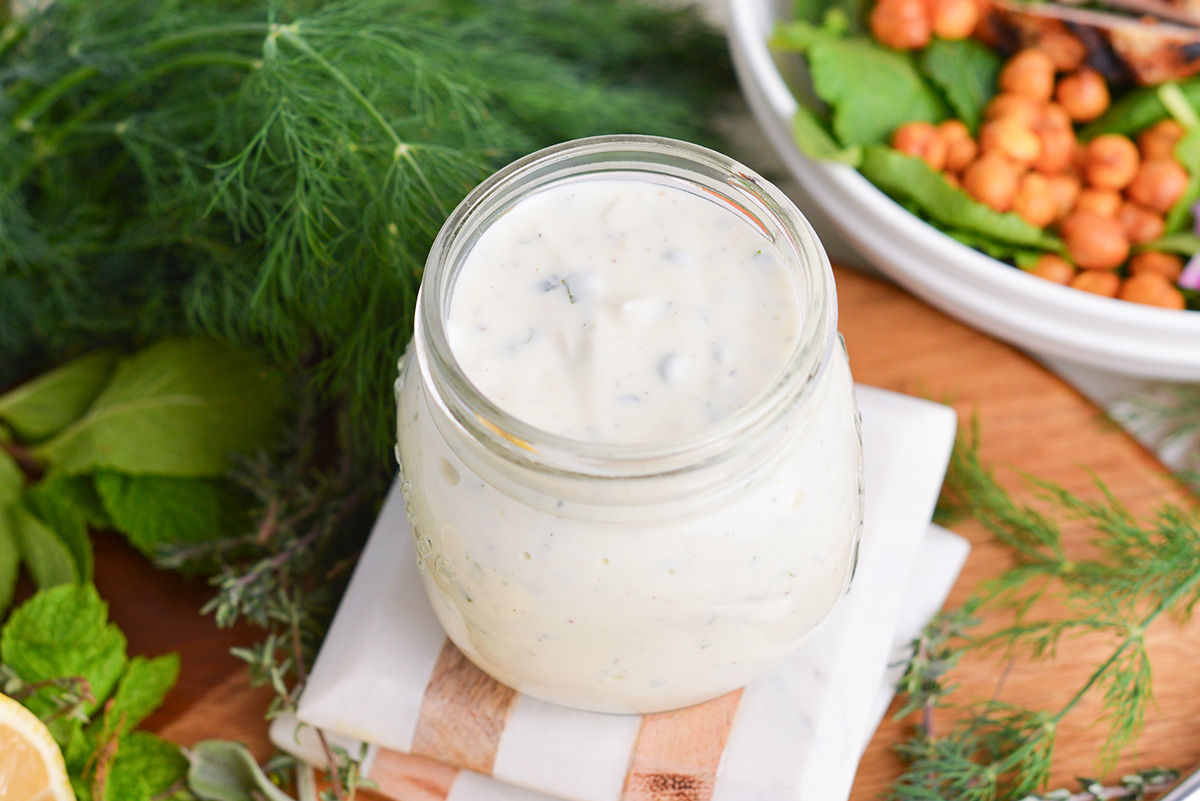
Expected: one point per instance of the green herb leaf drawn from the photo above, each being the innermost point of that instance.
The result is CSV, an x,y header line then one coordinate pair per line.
x,y
79,492
911,179
63,632
55,504
965,71
140,691
47,556
44,406
1138,110
11,481
1184,243
872,90
817,143
225,771
1187,152
145,767
152,511
817,11
179,408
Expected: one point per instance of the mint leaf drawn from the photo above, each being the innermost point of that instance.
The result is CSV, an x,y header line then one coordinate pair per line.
x,y
146,767
46,405
54,502
11,482
140,691
965,71
910,180
49,560
225,771
178,408
79,492
817,143
156,510
59,633
872,90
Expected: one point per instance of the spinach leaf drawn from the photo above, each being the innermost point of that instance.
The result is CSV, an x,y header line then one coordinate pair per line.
x,y
871,90
965,71
910,179
1139,110
817,143
817,12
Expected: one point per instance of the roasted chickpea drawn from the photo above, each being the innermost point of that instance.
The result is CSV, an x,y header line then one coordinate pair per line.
x,y
921,139
1009,104
961,149
1058,140
1033,200
992,180
1029,73
1098,282
1083,94
1093,242
1053,268
955,19
1140,223
901,24
1064,188
1159,140
1064,49
1158,183
1105,202
1168,265
1011,138
1151,289
1111,162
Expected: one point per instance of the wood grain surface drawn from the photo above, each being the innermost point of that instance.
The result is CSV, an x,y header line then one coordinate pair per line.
x,y
1031,422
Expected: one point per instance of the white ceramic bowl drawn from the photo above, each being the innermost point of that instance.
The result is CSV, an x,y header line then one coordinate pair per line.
x,y
1034,314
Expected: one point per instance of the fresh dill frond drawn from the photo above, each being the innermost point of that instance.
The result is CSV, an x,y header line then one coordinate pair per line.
x,y
1134,572
273,173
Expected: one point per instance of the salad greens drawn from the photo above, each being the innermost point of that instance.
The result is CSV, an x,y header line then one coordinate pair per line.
x,y
866,91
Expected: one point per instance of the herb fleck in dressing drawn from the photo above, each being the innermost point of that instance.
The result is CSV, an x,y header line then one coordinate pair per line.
x,y
622,311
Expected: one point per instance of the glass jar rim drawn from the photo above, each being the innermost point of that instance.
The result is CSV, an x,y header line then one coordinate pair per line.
x,y
524,443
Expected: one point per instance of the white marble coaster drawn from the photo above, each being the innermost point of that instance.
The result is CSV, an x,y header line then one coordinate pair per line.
x,y
797,733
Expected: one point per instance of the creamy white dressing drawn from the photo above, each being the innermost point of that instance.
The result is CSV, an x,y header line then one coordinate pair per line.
x,y
622,311
574,303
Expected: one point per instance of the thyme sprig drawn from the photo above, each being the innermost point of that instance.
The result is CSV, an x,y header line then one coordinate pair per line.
x,y
285,574
995,751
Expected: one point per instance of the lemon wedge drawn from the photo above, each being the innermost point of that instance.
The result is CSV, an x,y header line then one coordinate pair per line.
x,y
31,764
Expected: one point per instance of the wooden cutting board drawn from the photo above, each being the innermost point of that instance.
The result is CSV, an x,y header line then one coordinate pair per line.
x,y
1031,422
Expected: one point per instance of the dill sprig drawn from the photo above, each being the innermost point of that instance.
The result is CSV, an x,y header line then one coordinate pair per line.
x,y
274,172
995,751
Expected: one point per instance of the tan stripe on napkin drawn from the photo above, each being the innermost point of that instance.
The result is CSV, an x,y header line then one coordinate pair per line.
x,y
405,777
463,713
677,753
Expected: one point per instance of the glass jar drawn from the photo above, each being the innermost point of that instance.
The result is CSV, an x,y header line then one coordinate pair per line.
x,y
633,578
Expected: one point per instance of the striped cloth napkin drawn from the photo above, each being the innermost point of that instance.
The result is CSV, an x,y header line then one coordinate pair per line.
x,y
435,728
